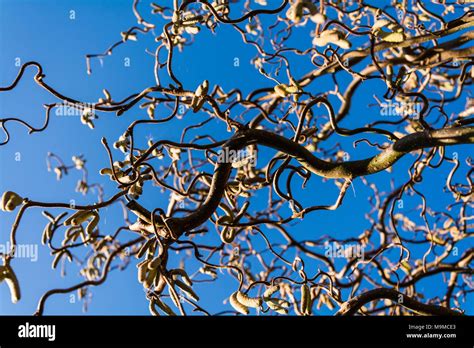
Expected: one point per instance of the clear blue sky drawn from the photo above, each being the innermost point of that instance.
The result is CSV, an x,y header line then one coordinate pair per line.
x,y
43,31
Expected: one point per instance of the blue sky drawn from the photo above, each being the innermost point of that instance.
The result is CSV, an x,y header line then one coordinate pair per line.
x,y
44,32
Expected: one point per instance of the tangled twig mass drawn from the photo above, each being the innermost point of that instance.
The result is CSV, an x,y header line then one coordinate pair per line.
x,y
278,136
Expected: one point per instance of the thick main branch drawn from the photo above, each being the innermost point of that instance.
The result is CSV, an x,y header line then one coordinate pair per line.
x,y
344,170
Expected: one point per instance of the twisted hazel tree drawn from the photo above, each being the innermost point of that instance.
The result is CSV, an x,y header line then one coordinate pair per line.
x,y
235,198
